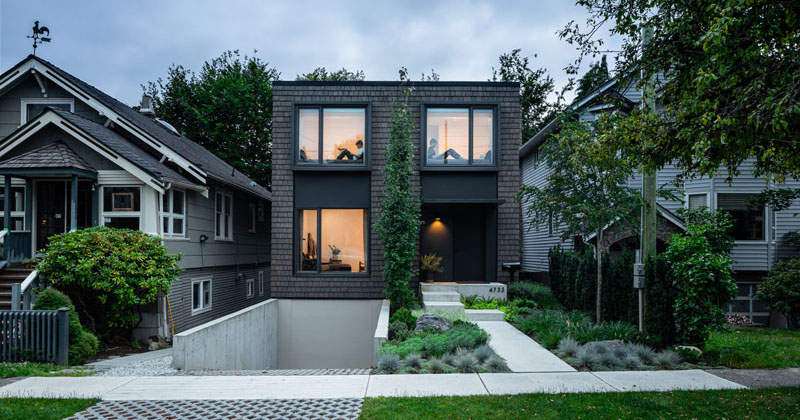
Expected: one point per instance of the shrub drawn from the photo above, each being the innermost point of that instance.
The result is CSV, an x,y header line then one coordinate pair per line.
x,y
83,345
413,361
535,292
568,347
644,353
109,272
703,282
398,331
404,316
389,363
667,359
609,360
586,358
461,336
449,358
632,362
483,353
781,290
435,365
496,364
466,363
659,318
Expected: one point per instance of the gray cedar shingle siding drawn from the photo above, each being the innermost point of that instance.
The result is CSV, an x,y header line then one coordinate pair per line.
x,y
380,96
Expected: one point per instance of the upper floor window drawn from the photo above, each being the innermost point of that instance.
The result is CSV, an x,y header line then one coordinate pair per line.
x,y
331,136
748,222
173,212
697,200
122,207
460,136
32,107
223,226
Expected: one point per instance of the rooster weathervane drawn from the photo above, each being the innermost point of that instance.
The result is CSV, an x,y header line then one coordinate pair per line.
x,y
38,35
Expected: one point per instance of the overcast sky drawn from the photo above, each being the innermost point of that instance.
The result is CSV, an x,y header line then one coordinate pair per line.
x,y
119,45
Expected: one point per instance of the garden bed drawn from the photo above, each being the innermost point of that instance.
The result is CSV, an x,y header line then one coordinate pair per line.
x,y
462,348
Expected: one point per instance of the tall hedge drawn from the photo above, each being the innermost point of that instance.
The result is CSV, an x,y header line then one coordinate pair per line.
x,y
659,318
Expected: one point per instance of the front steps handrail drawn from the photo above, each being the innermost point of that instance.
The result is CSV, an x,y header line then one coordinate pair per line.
x,y
24,292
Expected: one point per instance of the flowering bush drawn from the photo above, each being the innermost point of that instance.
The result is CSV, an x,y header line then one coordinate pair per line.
x,y
738,320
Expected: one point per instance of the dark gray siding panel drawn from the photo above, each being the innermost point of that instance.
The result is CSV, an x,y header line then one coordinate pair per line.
x,y
246,247
228,294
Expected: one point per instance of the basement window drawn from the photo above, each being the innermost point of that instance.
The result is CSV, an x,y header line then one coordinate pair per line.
x,y
201,295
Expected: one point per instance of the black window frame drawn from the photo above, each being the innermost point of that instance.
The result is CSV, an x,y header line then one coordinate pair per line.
x,y
471,106
296,244
298,165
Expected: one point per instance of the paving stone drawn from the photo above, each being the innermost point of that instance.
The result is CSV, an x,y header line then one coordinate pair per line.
x,y
325,408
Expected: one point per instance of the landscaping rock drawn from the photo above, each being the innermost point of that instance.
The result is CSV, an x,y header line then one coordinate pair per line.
x,y
433,321
696,352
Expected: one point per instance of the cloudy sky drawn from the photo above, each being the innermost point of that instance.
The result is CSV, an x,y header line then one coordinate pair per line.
x,y
119,45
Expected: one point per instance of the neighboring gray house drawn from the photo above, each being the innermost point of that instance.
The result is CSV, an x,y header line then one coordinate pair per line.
x,y
73,157
758,234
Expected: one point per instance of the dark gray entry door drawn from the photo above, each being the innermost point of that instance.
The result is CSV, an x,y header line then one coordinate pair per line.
x,y
51,210
469,245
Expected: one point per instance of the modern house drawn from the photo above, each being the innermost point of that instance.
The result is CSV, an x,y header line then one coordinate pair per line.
x,y
758,233
329,153
72,157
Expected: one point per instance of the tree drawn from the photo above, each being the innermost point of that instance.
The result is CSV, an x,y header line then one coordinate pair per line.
x,y
781,290
433,77
226,108
535,88
594,78
321,74
399,221
732,80
587,187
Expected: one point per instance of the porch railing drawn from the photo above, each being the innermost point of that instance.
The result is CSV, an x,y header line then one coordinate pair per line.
x,y
24,292
36,336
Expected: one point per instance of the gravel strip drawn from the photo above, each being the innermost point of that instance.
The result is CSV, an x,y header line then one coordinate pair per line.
x,y
154,367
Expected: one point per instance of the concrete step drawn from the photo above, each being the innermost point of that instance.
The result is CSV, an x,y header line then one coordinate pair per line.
x,y
485,314
441,296
449,307
438,287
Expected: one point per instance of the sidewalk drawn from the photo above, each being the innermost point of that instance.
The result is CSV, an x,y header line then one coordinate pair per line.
x,y
357,386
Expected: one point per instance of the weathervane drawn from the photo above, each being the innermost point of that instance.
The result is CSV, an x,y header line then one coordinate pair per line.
x,y
38,35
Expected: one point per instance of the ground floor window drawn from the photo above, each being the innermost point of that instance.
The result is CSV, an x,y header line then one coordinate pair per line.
x,y
746,303
332,240
122,207
201,295
261,283
17,206
251,287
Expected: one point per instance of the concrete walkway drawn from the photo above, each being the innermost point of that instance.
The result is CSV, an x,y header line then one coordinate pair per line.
x,y
522,353
357,386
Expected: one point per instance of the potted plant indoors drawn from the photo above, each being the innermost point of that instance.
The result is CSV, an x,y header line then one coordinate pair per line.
x,y
430,264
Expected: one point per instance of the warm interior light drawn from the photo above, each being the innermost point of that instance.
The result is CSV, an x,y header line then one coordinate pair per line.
x,y
438,219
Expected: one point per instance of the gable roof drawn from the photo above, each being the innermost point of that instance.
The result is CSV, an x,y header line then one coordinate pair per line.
x,y
52,156
175,147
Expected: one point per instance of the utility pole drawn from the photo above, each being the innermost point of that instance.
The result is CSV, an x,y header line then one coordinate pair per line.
x,y
647,240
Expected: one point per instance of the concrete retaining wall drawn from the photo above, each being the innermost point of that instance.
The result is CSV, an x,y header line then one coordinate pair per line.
x,y
381,332
247,339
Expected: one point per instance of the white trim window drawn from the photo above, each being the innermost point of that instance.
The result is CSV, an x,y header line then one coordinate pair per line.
x,y
223,225
201,295
121,206
252,208
32,107
17,208
261,283
173,213
696,201
749,224
251,287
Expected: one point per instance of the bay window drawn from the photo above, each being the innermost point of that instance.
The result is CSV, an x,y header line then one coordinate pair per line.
x,y
332,240
331,136
459,136
122,207
173,213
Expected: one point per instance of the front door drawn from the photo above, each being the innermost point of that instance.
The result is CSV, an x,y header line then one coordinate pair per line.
x,y
51,210
469,240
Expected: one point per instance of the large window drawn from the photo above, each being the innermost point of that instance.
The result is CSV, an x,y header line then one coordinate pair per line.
x,y
332,240
122,207
223,225
331,136
459,136
201,295
17,206
748,222
173,213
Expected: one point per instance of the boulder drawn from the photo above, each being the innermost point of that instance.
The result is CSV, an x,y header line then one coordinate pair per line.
x,y
433,321
692,351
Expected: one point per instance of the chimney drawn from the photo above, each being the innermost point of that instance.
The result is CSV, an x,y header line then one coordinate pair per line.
x,y
146,107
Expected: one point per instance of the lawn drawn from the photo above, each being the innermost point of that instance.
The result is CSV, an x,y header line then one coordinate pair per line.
x,y
41,408
754,348
737,404
12,370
